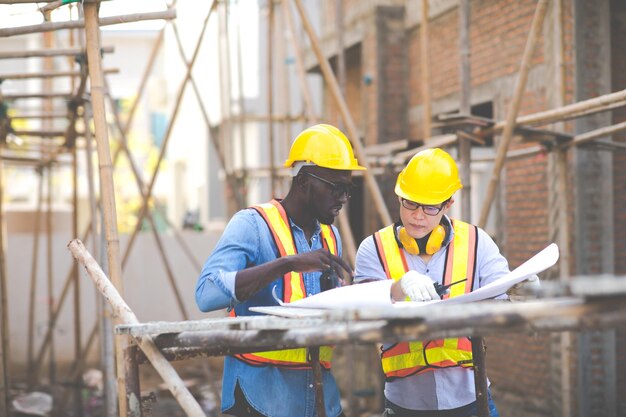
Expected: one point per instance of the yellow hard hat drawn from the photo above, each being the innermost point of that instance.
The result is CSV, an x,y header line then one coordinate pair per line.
x,y
325,146
430,177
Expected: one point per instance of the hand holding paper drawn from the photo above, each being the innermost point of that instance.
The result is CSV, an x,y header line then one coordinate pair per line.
x,y
377,293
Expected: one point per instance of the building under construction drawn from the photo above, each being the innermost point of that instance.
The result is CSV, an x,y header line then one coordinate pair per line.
x,y
152,136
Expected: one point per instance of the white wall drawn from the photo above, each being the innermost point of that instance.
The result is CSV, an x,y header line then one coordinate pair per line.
x,y
146,288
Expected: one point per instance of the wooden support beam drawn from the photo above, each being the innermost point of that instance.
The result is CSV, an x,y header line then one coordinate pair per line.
x,y
78,24
5,356
41,133
50,74
50,52
425,73
595,134
107,188
56,115
594,105
465,108
44,95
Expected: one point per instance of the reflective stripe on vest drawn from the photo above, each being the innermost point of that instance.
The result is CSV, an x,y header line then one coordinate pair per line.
x,y
410,358
293,288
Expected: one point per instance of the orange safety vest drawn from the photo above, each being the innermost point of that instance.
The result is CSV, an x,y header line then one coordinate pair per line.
x,y
293,289
410,358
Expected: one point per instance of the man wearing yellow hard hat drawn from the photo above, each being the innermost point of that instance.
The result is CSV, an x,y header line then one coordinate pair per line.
x,y
285,244
424,250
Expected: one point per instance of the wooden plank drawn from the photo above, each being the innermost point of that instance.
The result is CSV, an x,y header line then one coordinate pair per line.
x,y
50,52
78,24
50,74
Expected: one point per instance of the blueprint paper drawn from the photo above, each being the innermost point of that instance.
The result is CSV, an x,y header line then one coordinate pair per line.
x,y
369,294
378,293
538,263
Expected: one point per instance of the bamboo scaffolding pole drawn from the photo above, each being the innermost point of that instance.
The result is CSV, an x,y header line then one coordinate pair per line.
x,y
16,160
465,154
33,283
282,75
347,237
77,310
27,96
242,116
353,133
50,74
167,135
125,315
141,187
5,353
317,378
465,146
509,128
309,109
586,137
92,35
50,279
425,72
41,133
50,52
54,115
582,108
91,189
78,24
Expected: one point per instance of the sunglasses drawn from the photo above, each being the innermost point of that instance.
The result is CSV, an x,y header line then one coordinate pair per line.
x,y
338,189
428,210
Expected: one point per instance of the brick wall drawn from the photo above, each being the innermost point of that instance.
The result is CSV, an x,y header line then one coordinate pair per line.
x,y
498,32
519,366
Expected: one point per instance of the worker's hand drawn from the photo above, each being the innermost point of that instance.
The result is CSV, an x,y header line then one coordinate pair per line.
x,y
319,260
418,287
526,289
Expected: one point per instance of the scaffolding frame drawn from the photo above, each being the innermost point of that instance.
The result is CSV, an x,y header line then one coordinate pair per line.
x,y
80,108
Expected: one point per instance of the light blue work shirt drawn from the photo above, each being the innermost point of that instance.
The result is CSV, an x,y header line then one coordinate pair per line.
x,y
446,388
273,391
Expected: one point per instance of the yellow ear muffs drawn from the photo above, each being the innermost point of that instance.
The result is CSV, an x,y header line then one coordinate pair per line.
x,y
409,243
436,239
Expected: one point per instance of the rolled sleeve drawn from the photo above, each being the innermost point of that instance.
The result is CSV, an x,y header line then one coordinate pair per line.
x,y
237,249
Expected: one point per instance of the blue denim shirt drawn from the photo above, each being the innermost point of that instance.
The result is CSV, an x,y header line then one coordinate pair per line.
x,y
273,391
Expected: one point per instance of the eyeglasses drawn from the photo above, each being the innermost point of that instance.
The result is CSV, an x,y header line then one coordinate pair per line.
x,y
338,189
428,210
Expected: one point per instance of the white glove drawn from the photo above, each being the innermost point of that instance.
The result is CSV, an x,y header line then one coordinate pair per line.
x,y
532,284
418,287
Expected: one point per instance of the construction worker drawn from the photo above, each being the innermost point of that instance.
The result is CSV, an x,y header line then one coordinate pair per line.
x,y
285,244
424,248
